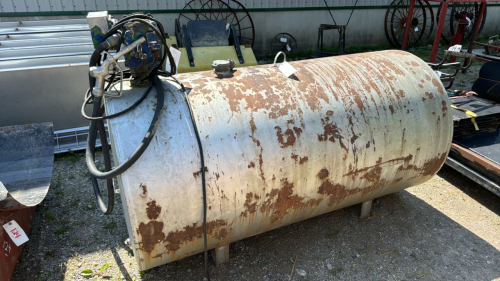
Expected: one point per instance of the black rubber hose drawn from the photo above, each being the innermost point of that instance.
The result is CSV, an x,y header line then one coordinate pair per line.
x,y
89,97
97,123
155,122
107,165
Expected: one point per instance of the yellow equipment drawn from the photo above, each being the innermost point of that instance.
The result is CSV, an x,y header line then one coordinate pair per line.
x,y
204,56
203,41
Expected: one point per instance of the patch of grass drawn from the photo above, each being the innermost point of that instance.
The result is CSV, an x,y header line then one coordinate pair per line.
x,y
110,226
75,243
333,234
62,230
49,217
336,271
105,266
74,157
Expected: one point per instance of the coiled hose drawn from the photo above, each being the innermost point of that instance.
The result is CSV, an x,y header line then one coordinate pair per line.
x,y
98,115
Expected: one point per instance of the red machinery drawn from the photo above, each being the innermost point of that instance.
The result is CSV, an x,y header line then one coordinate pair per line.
x,y
442,19
475,150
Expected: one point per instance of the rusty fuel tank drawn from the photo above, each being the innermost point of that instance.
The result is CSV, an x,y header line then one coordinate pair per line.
x,y
277,150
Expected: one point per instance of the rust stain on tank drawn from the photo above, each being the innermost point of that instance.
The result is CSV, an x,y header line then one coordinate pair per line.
x,y
359,102
250,207
309,84
373,174
329,113
407,167
195,174
438,85
336,193
144,189
406,159
400,94
279,202
289,135
151,234
331,132
432,165
251,165
414,63
323,174
153,210
157,256
391,108
263,95
297,131
217,229
444,108
294,157
252,124
303,160
257,143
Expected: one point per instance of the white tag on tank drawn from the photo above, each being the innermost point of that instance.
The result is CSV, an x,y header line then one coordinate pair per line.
x,y
176,55
286,68
16,233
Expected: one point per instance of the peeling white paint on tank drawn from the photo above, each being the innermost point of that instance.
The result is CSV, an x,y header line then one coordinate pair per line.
x,y
345,130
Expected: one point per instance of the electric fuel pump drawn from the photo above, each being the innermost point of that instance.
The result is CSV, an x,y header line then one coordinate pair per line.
x,y
140,40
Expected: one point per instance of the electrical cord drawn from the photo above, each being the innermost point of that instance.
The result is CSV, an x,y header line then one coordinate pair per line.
x,y
202,169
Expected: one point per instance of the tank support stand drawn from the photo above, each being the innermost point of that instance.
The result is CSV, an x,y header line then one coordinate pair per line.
x,y
220,254
365,209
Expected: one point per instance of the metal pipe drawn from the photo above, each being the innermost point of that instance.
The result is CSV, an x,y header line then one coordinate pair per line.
x,y
342,131
100,72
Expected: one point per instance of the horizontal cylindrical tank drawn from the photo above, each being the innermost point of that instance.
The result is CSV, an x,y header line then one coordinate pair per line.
x,y
277,150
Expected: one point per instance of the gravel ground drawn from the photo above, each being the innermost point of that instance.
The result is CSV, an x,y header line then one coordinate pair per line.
x,y
445,229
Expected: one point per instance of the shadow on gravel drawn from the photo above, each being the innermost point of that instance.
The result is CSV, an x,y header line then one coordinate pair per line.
x,y
477,192
404,237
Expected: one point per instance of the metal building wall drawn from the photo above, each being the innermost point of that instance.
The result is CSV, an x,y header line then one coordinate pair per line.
x,y
20,6
301,18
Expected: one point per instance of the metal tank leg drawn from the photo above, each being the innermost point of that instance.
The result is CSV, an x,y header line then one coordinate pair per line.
x,y
365,209
220,254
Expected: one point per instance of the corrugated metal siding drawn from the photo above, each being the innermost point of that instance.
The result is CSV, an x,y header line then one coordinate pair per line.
x,y
10,6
